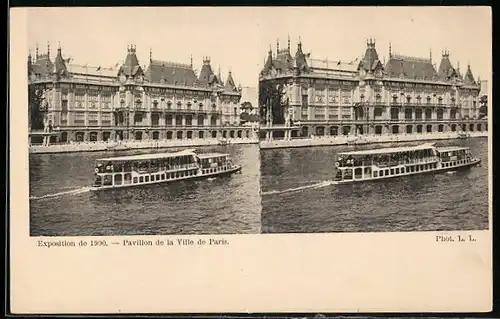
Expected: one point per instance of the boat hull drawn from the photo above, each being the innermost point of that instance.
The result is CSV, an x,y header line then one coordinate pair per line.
x,y
232,170
439,169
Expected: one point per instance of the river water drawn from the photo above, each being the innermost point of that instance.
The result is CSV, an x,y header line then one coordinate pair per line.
x,y
61,204
296,196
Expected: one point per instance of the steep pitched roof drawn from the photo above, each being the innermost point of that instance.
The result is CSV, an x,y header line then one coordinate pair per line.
x,y
60,64
300,58
43,65
207,76
269,62
170,73
284,59
131,65
410,68
446,70
469,78
370,61
230,85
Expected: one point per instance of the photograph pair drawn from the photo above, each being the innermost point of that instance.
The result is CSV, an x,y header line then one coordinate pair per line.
x,y
214,127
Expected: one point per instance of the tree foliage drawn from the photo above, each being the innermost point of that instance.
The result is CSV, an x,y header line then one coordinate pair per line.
x,y
271,94
483,108
246,106
35,98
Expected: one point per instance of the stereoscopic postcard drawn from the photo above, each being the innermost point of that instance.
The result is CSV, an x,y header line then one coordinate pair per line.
x,y
250,159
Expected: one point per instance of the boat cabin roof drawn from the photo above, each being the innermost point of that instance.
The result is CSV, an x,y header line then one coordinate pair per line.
x,y
388,150
145,157
451,148
212,155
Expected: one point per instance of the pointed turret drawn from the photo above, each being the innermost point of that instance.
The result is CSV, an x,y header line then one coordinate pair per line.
x,y
207,76
300,58
459,74
230,85
219,77
269,62
446,71
30,64
131,67
468,77
59,64
370,61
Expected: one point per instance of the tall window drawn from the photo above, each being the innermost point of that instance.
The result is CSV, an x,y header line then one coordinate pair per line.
x,y
93,119
304,100
106,119
79,118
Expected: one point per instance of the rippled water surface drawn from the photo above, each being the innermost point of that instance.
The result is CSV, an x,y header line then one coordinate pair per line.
x,y
297,198
225,205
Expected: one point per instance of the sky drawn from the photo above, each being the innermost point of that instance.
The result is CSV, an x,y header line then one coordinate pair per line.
x,y
238,38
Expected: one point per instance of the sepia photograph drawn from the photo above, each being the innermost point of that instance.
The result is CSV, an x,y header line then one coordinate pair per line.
x,y
383,129
132,132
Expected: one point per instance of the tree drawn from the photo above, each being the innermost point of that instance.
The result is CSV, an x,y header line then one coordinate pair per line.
x,y
246,106
35,113
271,94
483,108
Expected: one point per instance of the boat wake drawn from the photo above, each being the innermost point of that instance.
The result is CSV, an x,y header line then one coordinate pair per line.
x,y
70,192
300,188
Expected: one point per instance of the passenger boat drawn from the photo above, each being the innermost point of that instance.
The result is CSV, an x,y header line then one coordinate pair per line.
x,y
400,161
155,168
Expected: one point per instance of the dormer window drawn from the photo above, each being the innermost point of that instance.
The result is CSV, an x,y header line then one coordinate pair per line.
x,y
155,103
428,100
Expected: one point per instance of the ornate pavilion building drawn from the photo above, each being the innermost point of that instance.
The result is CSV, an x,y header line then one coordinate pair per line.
x,y
405,95
166,100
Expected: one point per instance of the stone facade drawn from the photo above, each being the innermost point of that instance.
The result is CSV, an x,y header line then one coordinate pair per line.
x,y
366,96
165,101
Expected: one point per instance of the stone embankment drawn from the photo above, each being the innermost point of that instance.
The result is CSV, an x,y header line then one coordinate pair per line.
x,y
129,145
364,139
